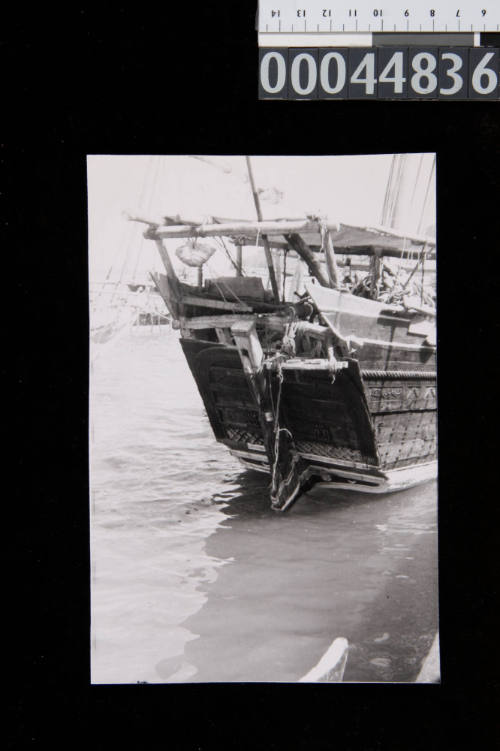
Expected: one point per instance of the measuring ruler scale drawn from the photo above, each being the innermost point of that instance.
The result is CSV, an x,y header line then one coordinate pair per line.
x,y
447,49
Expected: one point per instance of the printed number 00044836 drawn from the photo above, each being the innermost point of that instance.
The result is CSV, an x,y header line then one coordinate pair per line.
x,y
379,73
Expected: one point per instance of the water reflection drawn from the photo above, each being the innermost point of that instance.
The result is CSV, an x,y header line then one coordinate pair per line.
x,y
337,564
195,578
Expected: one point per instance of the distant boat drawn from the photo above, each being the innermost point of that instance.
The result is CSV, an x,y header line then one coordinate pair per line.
x,y
115,311
150,309
333,388
108,324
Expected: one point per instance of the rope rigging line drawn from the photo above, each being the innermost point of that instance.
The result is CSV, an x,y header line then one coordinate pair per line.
x,y
285,254
401,259
277,429
417,179
118,251
221,242
218,284
147,207
132,238
426,197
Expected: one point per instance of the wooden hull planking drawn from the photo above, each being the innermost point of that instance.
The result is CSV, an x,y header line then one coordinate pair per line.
x,y
347,401
368,430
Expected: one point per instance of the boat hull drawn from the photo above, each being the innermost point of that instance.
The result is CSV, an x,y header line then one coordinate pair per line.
x,y
331,387
364,428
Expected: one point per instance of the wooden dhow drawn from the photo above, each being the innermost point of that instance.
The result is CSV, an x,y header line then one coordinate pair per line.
x,y
336,385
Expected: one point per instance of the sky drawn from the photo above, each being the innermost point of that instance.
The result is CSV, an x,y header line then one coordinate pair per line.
x,y
348,189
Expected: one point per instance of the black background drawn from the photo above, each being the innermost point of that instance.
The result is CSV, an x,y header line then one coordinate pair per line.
x,y
123,82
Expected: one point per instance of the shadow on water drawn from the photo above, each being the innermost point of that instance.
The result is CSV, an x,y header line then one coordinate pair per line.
x,y
338,563
195,578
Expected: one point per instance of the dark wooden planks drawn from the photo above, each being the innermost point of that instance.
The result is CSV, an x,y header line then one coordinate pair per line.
x,y
387,357
334,413
401,396
222,385
406,437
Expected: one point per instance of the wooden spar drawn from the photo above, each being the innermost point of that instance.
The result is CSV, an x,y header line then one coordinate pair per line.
x,y
277,266
244,228
239,260
166,259
375,275
267,249
143,220
297,243
250,229
275,322
161,283
331,264
252,356
340,250
173,220
205,302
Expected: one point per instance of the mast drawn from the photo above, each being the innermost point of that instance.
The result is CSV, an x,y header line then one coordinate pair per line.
x,y
267,249
407,189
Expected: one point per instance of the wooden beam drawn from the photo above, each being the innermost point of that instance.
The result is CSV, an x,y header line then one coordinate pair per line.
x,y
239,260
203,302
270,227
166,259
249,346
297,243
318,363
246,228
250,229
267,249
224,321
316,330
161,283
331,264
341,250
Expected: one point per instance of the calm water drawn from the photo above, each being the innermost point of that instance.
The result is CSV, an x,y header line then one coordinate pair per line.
x,y
194,578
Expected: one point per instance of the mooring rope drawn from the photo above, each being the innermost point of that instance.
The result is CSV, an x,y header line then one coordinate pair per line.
x,y
278,430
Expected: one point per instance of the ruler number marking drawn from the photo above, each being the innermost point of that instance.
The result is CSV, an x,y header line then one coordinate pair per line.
x,y
367,64
458,81
396,64
265,66
426,72
312,74
481,70
324,72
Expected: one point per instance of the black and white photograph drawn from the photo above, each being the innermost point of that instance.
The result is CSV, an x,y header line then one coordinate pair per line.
x,y
256,477
263,418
